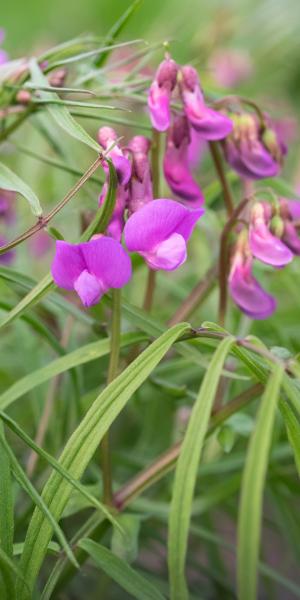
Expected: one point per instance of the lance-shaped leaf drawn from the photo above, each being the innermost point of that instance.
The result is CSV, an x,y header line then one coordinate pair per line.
x,y
10,181
251,500
186,472
82,445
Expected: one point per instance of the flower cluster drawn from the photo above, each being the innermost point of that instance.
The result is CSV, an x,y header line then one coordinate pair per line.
x,y
271,238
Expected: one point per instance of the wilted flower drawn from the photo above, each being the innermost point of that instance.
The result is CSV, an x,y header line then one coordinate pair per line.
x,y
106,137
176,164
91,268
211,124
159,97
159,232
252,152
140,186
8,257
263,244
245,290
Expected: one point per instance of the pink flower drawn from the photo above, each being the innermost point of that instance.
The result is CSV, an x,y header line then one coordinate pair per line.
x,y
140,187
91,268
211,124
176,164
252,153
159,232
246,291
263,244
7,206
106,137
159,97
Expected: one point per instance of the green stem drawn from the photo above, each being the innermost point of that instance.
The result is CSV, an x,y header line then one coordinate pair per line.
x,y
155,168
217,160
192,301
112,373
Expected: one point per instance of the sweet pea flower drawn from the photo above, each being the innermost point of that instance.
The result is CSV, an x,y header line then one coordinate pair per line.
x,y
290,212
263,244
40,244
159,232
245,290
106,138
253,154
176,164
91,268
211,124
8,257
140,187
196,148
159,96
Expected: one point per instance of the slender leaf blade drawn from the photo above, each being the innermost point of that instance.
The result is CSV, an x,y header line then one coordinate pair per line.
x,y
10,181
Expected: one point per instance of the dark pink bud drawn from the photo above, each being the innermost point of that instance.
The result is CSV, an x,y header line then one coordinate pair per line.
x,y
140,187
107,137
176,164
160,94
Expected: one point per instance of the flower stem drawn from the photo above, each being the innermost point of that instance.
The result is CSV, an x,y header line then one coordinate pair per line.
x,y
149,293
195,297
217,160
224,260
112,372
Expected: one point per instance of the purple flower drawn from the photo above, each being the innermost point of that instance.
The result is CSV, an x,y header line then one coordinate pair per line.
x,y
246,291
263,244
176,164
106,138
211,124
290,212
91,268
159,96
159,232
249,152
196,148
140,187
40,244
8,257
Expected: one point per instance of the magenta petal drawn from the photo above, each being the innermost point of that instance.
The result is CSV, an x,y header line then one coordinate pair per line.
x,y
259,161
294,209
211,124
156,221
168,255
159,107
290,238
122,166
3,57
179,178
107,260
67,265
88,288
248,294
267,247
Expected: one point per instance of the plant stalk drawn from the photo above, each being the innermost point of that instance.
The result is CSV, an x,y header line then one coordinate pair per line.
x,y
217,160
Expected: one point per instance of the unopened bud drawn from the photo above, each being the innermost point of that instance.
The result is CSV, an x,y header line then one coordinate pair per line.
x,y
277,226
57,78
166,75
270,141
23,97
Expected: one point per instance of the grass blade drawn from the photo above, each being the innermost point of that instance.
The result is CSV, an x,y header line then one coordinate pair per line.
x,y
11,181
186,472
250,508
120,571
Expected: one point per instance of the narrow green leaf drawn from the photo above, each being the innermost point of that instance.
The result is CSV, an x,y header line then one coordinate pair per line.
x,y
11,181
80,356
23,480
59,113
116,568
116,30
6,502
83,443
250,508
292,424
44,286
9,572
186,472
55,464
